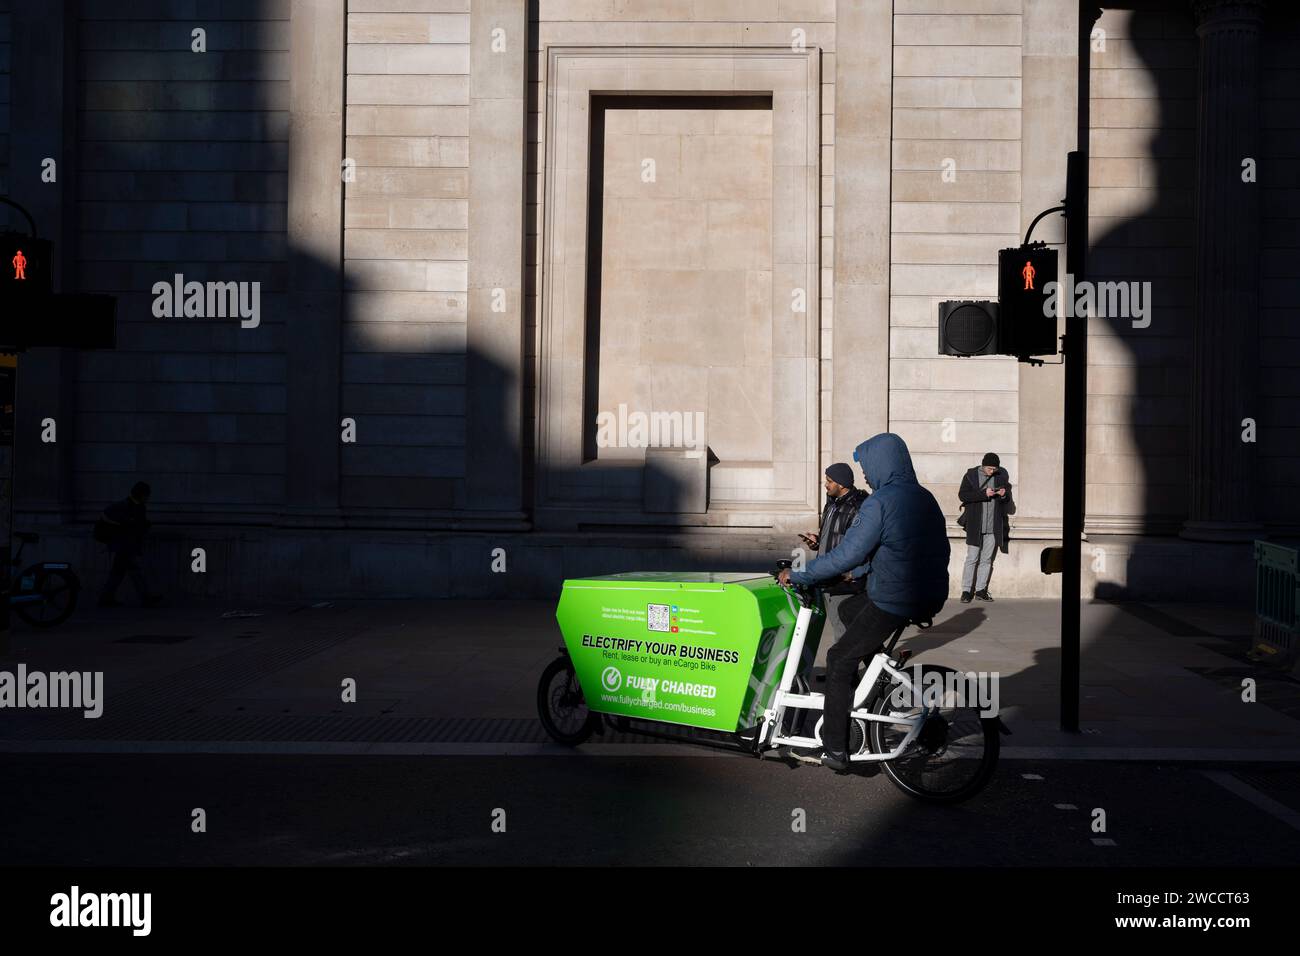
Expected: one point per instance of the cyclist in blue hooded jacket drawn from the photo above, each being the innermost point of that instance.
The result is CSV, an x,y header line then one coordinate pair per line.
x,y
899,540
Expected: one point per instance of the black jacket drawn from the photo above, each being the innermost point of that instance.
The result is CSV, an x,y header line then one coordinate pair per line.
x,y
841,511
125,524
974,501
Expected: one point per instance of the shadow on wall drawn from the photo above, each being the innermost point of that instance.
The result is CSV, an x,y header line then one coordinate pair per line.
x,y
188,176
1143,375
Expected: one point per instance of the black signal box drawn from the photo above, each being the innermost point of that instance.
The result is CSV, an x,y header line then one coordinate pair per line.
x,y
968,328
1026,324
75,320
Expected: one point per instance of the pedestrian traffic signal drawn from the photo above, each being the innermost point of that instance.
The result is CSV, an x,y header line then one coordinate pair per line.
x,y
24,263
1027,326
32,315
1020,323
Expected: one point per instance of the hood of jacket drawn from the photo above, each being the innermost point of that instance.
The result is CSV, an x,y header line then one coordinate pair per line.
x,y
885,460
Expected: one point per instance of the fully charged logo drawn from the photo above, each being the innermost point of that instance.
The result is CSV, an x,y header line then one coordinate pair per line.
x,y
648,686
611,679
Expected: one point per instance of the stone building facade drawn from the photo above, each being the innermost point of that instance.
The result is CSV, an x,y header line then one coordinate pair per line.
x,y
499,237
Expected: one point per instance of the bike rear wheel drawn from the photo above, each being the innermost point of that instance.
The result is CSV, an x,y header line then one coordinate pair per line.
x,y
954,755
57,590
560,705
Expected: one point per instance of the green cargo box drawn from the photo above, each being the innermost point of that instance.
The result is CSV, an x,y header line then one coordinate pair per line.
x,y
699,648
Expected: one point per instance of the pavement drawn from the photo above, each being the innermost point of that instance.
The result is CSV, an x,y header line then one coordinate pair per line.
x,y
1160,682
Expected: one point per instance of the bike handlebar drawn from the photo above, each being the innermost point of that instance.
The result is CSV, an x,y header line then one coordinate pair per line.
x,y
806,593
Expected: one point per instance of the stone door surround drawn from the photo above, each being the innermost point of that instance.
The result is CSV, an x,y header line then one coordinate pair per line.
x,y
792,77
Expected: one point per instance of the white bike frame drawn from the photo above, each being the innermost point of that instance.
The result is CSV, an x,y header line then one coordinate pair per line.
x,y
769,731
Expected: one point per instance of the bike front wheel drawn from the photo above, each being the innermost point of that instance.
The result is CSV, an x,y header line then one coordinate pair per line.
x,y
51,599
954,755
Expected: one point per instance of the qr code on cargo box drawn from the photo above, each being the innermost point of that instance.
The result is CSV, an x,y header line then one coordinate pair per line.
x,y
656,617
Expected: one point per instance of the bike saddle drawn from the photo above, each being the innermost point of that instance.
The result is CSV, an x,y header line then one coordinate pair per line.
x,y
28,537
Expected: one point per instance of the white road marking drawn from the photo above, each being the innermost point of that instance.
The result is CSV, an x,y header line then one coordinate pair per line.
x,y
356,749
1248,793
1155,754
667,749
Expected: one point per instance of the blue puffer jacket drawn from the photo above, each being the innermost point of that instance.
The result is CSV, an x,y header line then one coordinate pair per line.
x,y
899,537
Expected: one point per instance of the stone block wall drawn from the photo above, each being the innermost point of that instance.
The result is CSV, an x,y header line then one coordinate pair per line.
x,y
956,200
406,256
180,168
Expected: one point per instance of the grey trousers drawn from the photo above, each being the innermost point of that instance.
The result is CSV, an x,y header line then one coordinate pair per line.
x,y
832,631
833,623
980,556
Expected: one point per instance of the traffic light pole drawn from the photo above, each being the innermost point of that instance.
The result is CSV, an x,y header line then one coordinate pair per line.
x,y
1075,350
8,444
1074,353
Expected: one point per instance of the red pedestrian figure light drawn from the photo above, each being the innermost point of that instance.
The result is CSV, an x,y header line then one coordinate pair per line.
x,y
1028,272
20,265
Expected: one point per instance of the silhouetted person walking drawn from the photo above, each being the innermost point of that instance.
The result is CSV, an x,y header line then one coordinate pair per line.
x,y
123,527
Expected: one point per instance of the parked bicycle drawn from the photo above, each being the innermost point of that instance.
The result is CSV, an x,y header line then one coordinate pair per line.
x,y
42,594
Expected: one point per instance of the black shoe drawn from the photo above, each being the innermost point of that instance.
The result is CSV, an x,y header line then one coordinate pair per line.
x,y
835,760
965,597
984,595
108,601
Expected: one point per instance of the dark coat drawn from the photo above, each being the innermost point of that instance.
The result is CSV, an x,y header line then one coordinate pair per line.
x,y
841,511
974,501
127,523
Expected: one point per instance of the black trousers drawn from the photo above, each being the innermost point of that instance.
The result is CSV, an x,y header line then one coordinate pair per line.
x,y
868,629
126,563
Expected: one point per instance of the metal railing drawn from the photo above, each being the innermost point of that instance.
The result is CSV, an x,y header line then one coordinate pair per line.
x,y
1277,601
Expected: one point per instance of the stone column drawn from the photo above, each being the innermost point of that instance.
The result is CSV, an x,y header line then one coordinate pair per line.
x,y
859,384
1049,123
317,51
1225,335
495,334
